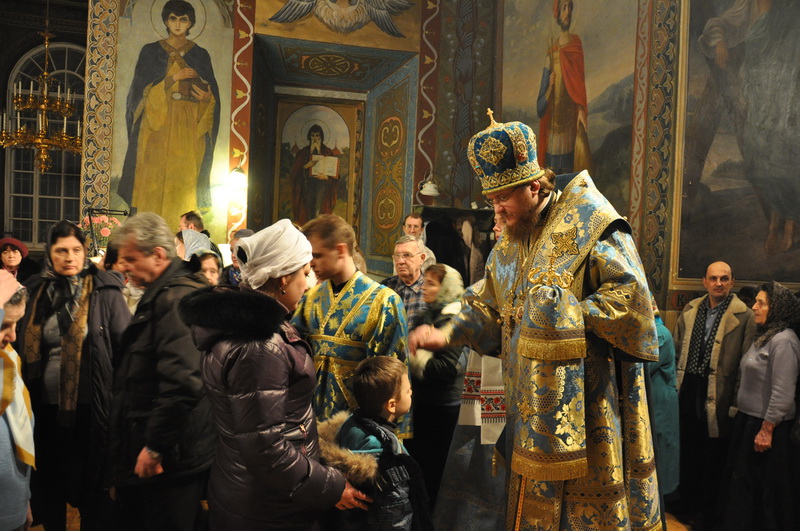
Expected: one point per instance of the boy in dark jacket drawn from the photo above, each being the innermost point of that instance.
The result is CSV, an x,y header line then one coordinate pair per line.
x,y
365,448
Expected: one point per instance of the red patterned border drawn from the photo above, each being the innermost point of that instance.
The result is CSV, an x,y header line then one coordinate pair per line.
x,y
241,101
430,34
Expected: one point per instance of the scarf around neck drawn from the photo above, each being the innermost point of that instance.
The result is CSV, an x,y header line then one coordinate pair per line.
x,y
68,298
784,312
699,357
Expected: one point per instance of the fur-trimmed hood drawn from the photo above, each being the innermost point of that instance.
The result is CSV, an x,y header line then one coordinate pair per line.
x,y
359,468
214,313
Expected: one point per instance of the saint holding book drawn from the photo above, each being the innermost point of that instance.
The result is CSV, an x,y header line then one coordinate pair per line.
x,y
315,175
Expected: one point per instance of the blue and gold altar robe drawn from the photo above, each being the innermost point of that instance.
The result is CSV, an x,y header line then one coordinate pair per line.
x,y
571,310
365,319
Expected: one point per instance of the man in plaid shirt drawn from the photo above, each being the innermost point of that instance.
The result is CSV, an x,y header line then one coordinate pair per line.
x,y
409,254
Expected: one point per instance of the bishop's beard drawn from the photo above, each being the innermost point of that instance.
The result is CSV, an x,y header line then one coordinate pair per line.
x,y
522,230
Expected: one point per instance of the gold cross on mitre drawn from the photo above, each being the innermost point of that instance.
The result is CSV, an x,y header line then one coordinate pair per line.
x,y
490,114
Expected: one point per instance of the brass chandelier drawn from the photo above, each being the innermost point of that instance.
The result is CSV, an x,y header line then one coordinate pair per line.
x,y
47,106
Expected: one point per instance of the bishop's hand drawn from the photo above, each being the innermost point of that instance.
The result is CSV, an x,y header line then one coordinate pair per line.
x,y
427,337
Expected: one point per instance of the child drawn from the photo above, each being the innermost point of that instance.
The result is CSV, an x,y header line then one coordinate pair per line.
x,y
365,448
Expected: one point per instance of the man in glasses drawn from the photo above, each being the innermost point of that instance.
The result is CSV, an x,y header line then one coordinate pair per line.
x,y
409,255
414,226
566,300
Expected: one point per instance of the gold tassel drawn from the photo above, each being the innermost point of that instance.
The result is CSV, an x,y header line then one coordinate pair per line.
x,y
573,469
497,461
560,350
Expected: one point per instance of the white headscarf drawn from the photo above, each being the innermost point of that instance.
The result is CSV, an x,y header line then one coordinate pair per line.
x,y
195,243
276,251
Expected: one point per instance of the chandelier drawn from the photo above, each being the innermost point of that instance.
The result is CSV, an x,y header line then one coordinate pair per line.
x,y
52,111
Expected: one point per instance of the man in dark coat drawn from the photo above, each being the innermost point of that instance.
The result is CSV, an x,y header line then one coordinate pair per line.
x,y
162,433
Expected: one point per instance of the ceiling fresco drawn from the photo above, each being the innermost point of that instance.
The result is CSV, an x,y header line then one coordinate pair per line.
x,y
325,65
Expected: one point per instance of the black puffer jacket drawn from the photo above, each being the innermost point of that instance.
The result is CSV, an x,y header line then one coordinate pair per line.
x,y
260,378
159,400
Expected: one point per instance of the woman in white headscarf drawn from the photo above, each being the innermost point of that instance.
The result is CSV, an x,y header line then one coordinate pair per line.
x,y
260,377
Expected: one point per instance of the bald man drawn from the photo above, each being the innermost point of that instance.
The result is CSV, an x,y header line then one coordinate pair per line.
x,y
712,333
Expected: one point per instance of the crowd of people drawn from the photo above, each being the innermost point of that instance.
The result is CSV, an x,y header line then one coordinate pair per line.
x,y
290,390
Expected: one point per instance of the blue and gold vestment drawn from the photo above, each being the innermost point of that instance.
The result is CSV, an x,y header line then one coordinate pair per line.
x,y
364,319
571,311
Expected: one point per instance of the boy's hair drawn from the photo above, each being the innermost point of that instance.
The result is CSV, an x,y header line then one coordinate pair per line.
x,y
377,380
332,230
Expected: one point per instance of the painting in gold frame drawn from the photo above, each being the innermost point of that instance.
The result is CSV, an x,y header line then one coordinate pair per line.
x,y
601,86
737,133
317,158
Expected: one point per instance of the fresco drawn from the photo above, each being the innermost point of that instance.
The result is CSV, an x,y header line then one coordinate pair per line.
x,y
390,25
314,162
739,185
172,97
346,17
568,73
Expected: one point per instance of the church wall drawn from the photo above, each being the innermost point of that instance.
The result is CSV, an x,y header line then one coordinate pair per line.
x,y
262,156
457,83
388,161
456,80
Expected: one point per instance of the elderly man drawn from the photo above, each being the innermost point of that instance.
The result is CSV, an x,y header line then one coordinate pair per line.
x,y
161,430
346,318
566,300
712,334
409,255
414,226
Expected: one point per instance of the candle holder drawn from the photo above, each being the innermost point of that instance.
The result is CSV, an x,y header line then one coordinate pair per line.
x,y
44,138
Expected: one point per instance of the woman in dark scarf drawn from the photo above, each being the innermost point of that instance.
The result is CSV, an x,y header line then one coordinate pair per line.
x,y
71,330
762,492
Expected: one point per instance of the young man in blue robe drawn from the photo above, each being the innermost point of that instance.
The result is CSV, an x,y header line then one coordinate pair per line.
x,y
346,318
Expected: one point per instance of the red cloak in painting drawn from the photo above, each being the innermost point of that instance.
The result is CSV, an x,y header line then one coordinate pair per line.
x,y
571,61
